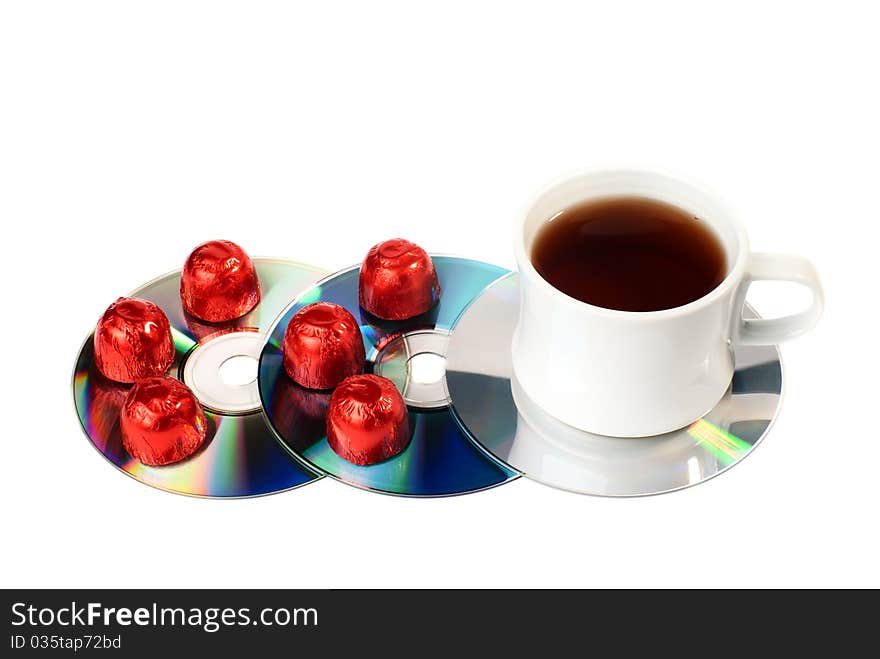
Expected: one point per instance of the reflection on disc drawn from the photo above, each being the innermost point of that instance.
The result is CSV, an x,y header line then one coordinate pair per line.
x,y
441,459
489,403
240,457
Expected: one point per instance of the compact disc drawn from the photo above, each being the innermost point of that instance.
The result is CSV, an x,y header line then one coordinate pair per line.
x,y
489,403
241,457
441,458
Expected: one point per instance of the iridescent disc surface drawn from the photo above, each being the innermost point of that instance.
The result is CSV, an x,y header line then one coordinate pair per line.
x,y
441,459
492,407
241,457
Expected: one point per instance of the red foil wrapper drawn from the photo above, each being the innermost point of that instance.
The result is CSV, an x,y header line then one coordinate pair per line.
x,y
219,282
133,341
162,422
367,421
398,280
322,346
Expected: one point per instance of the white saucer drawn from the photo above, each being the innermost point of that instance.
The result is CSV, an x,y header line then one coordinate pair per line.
x,y
493,409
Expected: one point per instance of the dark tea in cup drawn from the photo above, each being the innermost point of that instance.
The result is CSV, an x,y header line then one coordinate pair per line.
x,y
629,253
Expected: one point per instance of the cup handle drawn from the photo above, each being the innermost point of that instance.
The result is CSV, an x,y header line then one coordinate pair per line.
x,y
779,267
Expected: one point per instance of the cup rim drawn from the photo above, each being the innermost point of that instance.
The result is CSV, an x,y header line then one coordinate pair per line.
x,y
734,274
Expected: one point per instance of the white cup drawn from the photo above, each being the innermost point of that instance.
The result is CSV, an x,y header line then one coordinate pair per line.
x,y
636,374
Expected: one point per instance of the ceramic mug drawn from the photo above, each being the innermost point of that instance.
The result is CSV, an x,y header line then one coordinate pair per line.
x,y
636,374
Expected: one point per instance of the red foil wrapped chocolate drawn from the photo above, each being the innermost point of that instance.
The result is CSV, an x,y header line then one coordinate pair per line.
x,y
398,280
133,341
219,282
367,421
322,346
162,422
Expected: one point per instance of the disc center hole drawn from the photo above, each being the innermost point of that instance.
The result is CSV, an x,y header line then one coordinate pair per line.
x,y
426,368
238,371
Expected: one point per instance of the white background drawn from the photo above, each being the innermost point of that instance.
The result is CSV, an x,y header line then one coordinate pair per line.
x,y
130,132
